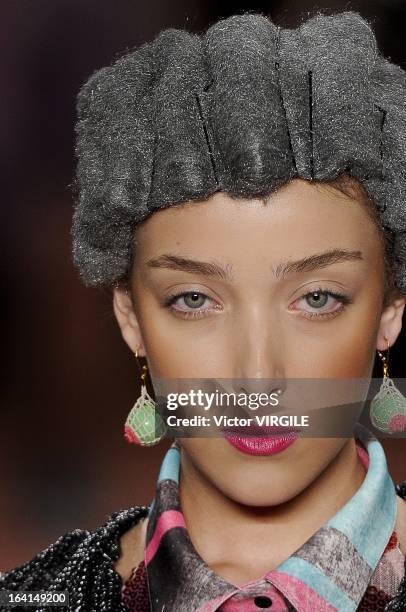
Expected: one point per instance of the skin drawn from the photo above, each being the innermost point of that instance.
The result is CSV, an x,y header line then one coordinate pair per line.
x,y
257,325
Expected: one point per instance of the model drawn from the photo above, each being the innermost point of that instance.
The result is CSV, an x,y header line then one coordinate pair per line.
x,y
243,193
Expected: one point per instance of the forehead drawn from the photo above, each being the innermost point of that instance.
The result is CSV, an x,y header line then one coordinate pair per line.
x,y
300,217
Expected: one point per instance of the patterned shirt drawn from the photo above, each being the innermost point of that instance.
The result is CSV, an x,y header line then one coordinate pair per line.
x,y
353,562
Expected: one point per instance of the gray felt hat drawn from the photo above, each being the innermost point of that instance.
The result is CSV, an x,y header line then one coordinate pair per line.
x,y
243,108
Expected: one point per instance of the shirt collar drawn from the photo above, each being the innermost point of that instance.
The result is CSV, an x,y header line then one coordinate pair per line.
x,y
330,571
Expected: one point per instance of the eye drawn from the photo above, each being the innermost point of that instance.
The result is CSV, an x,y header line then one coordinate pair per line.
x,y
192,300
321,303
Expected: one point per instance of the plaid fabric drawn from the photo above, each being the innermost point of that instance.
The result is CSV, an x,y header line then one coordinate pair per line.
x,y
353,562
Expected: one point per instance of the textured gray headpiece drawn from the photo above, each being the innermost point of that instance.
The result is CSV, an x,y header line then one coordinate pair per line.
x,y
243,108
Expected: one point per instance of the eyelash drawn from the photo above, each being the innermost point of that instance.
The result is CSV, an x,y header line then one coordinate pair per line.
x,y
198,314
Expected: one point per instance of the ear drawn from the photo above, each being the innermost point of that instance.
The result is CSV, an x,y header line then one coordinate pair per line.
x,y
390,324
125,314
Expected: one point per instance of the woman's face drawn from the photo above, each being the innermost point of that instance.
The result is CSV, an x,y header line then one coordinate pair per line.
x,y
251,264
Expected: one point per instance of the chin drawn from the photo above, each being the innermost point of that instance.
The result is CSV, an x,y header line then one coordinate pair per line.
x,y
261,495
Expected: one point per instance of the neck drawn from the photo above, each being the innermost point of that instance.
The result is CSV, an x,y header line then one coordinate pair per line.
x,y
223,530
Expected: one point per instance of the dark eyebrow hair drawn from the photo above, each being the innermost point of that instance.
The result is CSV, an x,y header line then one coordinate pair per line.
x,y
206,268
211,268
314,262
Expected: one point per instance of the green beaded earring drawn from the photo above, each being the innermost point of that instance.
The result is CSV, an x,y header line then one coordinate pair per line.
x,y
388,407
144,425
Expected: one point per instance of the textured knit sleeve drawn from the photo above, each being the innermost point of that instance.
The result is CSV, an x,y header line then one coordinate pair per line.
x,y
80,563
43,568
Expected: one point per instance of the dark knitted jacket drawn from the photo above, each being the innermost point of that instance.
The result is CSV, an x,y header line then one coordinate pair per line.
x,y
81,562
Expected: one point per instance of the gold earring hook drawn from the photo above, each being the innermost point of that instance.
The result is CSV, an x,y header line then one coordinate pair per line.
x,y
385,360
144,367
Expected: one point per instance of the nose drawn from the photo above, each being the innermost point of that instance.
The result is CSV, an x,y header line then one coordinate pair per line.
x,y
257,356
259,385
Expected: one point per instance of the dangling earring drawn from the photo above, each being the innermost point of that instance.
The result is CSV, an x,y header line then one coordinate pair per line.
x,y
388,407
144,425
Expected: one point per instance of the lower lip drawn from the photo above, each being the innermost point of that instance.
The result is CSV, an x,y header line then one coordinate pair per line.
x,y
261,446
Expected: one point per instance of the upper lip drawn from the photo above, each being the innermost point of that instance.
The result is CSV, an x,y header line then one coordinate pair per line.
x,y
255,430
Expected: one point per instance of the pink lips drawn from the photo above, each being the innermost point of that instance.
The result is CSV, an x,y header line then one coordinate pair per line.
x,y
254,445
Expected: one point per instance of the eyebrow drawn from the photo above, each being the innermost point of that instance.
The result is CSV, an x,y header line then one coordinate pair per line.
x,y
316,262
216,270
205,268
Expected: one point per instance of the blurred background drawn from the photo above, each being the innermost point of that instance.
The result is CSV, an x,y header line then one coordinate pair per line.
x,y
68,379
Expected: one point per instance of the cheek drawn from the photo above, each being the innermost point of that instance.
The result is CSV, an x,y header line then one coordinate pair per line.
x,y
174,348
344,349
